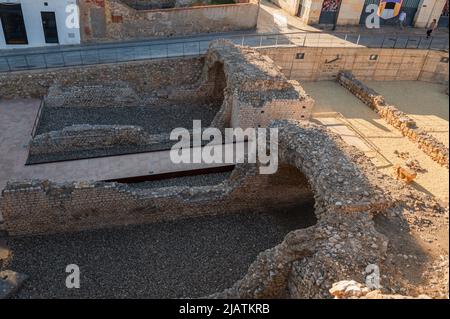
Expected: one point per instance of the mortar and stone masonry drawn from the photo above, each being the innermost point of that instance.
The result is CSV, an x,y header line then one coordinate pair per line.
x,y
252,88
348,191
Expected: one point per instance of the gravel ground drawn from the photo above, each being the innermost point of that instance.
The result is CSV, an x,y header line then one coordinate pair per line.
x,y
191,181
154,120
186,258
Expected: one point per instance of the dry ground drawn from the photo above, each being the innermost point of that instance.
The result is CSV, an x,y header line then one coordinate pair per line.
x,y
417,259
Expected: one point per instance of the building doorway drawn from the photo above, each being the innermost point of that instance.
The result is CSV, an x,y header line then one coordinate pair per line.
x,y
329,12
12,24
49,25
443,20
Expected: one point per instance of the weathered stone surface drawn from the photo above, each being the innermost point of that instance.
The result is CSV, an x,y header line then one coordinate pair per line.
x,y
350,289
348,190
85,137
10,283
255,90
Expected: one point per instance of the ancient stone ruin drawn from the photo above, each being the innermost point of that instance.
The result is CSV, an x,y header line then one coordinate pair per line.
x,y
316,168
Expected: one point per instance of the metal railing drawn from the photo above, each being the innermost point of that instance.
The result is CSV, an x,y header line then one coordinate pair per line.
x,y
37,119
56,57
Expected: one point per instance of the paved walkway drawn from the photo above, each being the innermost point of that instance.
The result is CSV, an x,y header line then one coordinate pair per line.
x,y
275,28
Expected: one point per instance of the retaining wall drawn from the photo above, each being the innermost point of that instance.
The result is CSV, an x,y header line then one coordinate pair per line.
x,y
316,64
144,77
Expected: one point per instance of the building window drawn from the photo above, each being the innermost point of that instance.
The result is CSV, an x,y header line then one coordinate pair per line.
x,y
13,24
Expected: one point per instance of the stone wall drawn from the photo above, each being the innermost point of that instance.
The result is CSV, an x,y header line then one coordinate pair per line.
x,y
105,20
37,207
350,12
290,6
349,191
365,63
143,77
435,68
85,137
400,120
310,11
256,91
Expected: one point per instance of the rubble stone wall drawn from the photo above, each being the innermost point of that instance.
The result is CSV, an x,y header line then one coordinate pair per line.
x,y
256,91
86,137
40,207
144,77
349,191
400,120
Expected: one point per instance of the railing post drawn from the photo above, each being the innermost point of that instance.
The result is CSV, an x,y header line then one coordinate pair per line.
x,y
359,37
276,40
242,43
45,60
9,65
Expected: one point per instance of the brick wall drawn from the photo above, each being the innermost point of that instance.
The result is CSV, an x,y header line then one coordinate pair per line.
x,y
85,137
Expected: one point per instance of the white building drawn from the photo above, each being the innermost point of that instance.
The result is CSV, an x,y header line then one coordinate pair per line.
x,y
32,23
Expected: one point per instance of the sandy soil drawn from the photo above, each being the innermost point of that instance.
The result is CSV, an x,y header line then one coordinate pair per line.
x,y
426,103
331,97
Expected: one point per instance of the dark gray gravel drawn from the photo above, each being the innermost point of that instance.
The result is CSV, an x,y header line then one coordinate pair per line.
x,y
153,119
186,258
191,181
